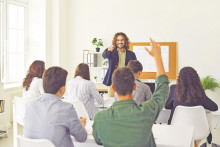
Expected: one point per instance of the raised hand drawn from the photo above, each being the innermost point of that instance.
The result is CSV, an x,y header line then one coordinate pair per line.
x,y
83,121
155,52
111,48
155,49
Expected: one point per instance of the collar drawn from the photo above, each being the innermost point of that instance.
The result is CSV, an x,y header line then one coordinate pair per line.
x,y
137,80
50,96
124,102
78,77
121,51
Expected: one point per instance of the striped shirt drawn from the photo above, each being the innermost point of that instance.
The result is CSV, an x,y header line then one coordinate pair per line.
x,y
142,92
86,92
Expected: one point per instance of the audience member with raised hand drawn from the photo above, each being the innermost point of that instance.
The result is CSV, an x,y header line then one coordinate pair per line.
x,y
81,88
188,92
142,92
125,123
47,117
33,83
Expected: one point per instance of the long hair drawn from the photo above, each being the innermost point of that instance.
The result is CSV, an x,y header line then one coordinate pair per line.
x,y
82,70
189,87
35,70
126,46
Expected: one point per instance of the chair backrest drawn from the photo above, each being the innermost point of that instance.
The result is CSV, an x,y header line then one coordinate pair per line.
x,y
193,116
163,117
27,142
79,107
18,115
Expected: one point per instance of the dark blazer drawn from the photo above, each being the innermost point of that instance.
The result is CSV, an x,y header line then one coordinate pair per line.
x,y
173,102
113,60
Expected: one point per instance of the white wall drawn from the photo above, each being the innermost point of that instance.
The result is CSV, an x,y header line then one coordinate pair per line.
x,y
56,33
36,49
194,25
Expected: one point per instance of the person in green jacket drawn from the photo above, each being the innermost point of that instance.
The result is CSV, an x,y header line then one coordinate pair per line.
x,y
125,124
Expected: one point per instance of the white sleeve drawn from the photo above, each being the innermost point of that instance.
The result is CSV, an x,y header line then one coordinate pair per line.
x,y
40,85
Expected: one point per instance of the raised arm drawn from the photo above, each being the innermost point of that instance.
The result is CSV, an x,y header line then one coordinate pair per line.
x,y
107,52
159,97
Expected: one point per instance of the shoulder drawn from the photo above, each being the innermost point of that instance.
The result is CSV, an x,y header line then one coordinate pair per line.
x,y
130,52
66,105
37,79
67,108
140,84
101,115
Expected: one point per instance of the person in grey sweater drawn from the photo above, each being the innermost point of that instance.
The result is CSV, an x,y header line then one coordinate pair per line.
x,y
47,117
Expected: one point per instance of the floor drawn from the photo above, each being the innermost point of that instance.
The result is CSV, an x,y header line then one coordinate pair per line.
x,y
8,141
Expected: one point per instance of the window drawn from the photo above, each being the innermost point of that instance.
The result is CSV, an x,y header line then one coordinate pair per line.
x,y
13,42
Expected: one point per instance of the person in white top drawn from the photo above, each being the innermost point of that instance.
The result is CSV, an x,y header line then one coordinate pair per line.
x,y
33,83
81,88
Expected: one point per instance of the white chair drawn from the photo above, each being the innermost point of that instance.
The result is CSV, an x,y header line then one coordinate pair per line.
x,y
18,115
79,107
27,142
192,116
163,117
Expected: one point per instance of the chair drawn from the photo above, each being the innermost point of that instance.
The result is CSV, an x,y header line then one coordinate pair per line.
x,y
79,107
192,116
18,115
27,142
163,117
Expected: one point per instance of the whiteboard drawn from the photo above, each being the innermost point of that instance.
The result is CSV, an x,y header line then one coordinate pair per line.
x,y
147,60
169,57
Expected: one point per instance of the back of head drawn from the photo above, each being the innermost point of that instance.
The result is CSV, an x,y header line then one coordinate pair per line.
x,y
36,69
127,42
53,79
135,66
82,70
189,87
123,81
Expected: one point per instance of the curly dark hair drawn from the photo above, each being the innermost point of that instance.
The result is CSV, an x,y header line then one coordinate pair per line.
x,y
189,87
127,42
36,69
82,70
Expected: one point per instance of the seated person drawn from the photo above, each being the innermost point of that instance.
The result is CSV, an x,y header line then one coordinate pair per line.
x,y
81,88
47,117
188,92
33,83
142,92
126,124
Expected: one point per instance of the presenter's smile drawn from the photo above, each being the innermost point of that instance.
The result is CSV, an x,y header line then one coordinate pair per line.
x,y
120,41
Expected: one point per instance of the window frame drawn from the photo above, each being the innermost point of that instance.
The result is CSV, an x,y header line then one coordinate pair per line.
x,y
5,52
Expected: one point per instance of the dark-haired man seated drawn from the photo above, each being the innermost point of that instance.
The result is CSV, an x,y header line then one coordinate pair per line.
x,y
142,92
126,124
47,117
